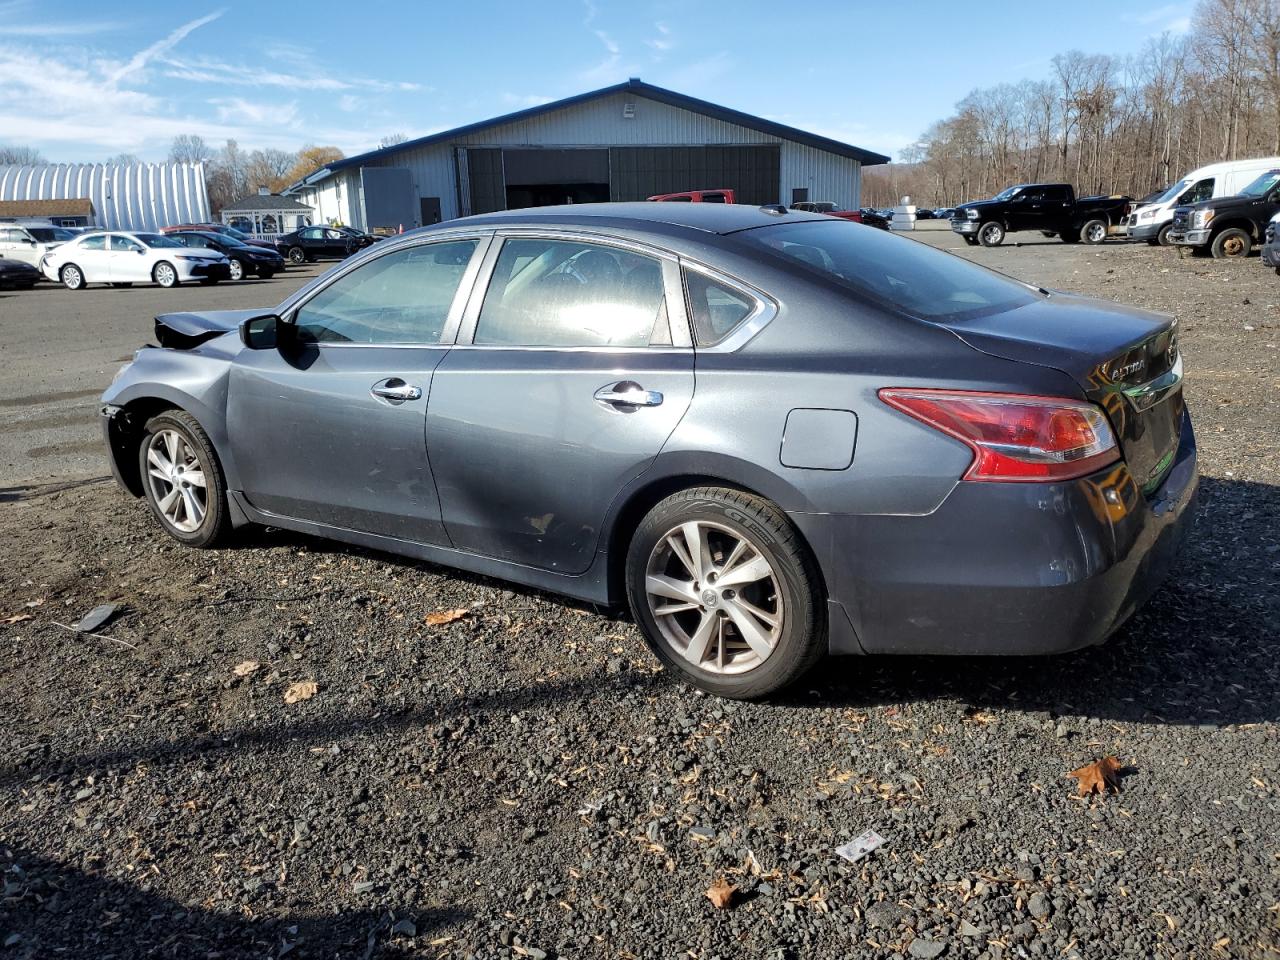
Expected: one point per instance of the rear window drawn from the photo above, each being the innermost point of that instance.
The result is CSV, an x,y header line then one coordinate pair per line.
x,y
906,275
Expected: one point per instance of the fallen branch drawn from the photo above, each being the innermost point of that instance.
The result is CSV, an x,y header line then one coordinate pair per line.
x,y
100,636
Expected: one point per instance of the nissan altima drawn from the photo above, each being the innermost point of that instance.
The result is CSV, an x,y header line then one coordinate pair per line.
x,y
775,435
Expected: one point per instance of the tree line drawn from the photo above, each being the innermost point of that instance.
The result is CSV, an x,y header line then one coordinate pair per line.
x,y
1108,124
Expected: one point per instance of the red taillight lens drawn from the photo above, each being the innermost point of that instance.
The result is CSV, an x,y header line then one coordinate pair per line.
x,y
1015,437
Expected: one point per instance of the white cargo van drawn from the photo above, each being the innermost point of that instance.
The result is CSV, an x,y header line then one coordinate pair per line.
x,y
1151,221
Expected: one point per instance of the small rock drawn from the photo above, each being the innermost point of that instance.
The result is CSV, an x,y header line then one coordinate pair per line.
x,y
1039,906
529,834
362,886
883,915
533,953
404,928
702,833
926,949
616,665
967,929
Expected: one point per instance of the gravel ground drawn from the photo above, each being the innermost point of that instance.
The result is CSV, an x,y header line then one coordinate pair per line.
x,y
525,781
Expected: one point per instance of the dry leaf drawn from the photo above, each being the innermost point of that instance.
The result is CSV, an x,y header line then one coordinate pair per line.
x,y
302,690
245,667
16,618
1098,777
721,893
441,617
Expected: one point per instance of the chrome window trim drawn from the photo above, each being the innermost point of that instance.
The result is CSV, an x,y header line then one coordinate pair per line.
x,y
453,318
764,311
677,311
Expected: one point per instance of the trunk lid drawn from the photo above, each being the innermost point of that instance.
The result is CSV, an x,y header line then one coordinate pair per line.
x,y
1125,360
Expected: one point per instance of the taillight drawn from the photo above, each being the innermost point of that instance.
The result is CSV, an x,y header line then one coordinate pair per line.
x,y
1015,437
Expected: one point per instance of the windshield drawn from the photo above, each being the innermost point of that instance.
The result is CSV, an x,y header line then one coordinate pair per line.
x,y
156,240
223,238
233,232
1168,194
905,275
1006,194
1262,186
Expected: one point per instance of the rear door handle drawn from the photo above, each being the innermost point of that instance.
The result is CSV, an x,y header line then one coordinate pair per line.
x,y
395,391
628,393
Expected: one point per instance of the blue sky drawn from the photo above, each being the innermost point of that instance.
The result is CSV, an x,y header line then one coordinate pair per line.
x,y
85,80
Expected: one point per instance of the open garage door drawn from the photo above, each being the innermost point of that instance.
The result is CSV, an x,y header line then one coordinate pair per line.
x,y
541,178
640,172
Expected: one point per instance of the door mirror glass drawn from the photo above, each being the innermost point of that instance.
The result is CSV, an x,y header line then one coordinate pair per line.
x,y
261,333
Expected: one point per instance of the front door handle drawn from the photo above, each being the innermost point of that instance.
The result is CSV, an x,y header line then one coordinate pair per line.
x,y
395,391
628,393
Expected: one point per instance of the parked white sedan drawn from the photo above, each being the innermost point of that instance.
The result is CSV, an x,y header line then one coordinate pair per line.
x,y
123,259
30,242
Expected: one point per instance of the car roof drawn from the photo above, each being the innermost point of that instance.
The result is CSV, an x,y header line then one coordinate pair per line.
x,y
721,218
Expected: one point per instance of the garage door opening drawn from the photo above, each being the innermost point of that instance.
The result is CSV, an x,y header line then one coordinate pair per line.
x,y
550,194
539,178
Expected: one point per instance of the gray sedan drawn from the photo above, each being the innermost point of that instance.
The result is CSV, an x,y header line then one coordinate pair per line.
x,y
775,435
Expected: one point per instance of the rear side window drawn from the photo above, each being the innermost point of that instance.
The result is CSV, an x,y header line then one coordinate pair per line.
x,y
98,242
715,308
903,274
566,293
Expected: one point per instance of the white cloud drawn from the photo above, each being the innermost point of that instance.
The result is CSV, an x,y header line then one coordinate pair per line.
x,y
210,70
525,100
143,57
237,109
663,41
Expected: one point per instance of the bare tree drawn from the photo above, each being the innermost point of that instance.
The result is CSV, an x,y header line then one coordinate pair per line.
x,y
391,139
189,148
22,156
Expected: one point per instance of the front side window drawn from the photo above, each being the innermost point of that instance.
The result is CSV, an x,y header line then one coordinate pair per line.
x,y
905,275
402,297
1199,193
121,244
566,293
1263,185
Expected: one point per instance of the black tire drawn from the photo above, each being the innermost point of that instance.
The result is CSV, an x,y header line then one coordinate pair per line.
x,y
802,637
297,255
1093,232
971,241
216,522
1232,243
991,234
1162,238
72,277
165,274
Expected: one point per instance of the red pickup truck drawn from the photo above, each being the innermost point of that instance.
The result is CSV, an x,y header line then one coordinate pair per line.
x,y
696,196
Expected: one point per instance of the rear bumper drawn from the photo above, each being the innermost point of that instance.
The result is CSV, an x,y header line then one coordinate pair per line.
x,y
1004,568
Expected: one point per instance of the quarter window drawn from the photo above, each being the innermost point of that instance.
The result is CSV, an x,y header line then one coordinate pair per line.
x,y
402,297
714,307
565,293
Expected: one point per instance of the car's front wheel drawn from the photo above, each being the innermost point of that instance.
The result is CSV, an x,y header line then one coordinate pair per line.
x,y
71,276
991,234
726,593
237,270
164,274
183,480
1231,243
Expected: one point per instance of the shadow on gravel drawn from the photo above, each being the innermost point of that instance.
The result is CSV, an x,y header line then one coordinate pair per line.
x,y
1205,650
50,909
32,490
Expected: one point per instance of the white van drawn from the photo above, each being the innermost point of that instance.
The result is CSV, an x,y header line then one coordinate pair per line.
x,y
1151,221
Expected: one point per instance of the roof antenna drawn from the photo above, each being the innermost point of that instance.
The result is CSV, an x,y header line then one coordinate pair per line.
x,y
776,209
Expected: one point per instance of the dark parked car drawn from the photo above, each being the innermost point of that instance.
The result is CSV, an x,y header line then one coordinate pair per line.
x,y
1271,245
245,260
1229,226
1051,208
15,275
924,213
322,243
219,228
832,209
514,394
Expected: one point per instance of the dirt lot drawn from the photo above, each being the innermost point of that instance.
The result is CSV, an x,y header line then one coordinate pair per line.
x,y
524,781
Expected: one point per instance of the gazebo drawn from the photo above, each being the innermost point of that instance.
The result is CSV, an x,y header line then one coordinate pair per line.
x,y
266,215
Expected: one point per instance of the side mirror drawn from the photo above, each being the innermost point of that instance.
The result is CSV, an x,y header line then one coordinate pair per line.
x,y
261,333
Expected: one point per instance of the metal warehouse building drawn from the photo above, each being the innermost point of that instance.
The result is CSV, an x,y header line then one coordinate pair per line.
x,y
625,142
116,196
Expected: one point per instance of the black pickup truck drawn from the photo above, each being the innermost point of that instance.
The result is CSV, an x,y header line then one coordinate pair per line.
x,y
1229,226
1051,208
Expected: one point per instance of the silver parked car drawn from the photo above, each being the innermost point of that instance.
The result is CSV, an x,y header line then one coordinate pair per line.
x,y
774,434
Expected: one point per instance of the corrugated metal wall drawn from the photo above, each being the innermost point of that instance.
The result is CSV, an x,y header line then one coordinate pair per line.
x,y
142,196
600,123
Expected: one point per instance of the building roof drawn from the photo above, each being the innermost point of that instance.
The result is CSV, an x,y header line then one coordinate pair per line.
x,y
260,201
125,196
634,86
78,207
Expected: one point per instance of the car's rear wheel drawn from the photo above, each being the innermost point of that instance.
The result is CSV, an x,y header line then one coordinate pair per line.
x,y
71,276
726,593
297,255
991,234
237,270
183,479
1231,243
164,274
1094,231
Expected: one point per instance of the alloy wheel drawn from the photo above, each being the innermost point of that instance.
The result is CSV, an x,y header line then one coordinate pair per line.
x,y
165,275
177,480
715,597
992,234
237,270
72,278
1097,233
